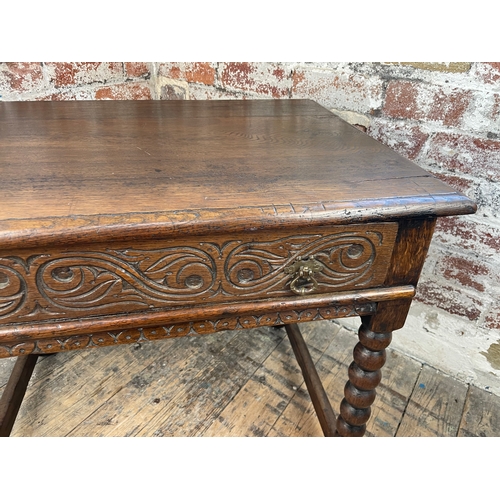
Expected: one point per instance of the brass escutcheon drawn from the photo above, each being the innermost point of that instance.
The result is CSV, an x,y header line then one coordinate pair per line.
x,y
302,270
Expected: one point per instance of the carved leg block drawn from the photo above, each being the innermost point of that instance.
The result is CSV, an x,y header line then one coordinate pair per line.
x,y
364,377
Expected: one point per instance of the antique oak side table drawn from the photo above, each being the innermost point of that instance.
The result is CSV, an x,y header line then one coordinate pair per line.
x,y
130,221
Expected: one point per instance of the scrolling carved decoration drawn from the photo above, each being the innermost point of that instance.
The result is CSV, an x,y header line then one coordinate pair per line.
x,y
85,282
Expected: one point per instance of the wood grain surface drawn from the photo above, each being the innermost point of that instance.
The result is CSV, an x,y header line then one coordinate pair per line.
x,y
436,406
69,168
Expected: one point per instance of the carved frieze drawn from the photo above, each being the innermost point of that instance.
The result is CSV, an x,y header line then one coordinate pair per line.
x,y
133,335
84,282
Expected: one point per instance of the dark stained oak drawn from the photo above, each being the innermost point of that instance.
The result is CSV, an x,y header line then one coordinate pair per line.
x,y
131,168
315,388
13,393
129,221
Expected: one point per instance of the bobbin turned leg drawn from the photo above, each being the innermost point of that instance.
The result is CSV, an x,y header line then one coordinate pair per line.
x,y
364,377
375,334
412,242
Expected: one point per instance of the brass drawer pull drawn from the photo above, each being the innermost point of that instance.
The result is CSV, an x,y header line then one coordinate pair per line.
x,y
302,270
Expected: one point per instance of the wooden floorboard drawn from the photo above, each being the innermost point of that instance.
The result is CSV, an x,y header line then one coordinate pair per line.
x,y
244,383
435,407
299,419
267,394
481,415
399,376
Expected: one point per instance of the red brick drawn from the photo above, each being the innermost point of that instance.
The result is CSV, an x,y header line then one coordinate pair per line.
x,y
401,100
81,73
453,300
464,271
21,77
136,69
279,73
495,113
195,72
428,103
467,235
267,79
338,89
64,73
466,154
488,72
492,319
406,139
124,91
238,75
461,184
449,108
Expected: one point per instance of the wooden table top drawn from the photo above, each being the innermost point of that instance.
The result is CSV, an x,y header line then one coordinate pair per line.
x,y
90,169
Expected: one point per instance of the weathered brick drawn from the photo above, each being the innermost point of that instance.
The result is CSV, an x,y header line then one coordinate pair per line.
x,y
338,89
448,107
195,72
81,73
461,184
462,233
21,77
136,69
124,91
172,92
269,79
482,116
401,100
485,193
69,94
465,271
404,138
206,92
487,72
453,300
466,154
430,103
492,319
495,113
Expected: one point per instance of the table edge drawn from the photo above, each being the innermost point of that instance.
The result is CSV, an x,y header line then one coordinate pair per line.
x,y
27,233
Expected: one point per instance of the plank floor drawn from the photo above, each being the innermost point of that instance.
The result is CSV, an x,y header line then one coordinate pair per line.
x,y
241,383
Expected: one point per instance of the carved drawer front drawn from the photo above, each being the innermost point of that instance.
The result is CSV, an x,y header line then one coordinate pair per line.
x,y
106,279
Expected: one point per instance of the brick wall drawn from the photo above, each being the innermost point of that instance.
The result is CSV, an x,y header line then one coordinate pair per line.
x,y
444,116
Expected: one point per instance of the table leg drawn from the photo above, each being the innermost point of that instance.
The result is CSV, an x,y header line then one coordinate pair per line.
x,y
14,392
314,386
375,334
364,377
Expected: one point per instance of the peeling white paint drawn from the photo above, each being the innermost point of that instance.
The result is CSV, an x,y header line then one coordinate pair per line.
x,y
352,117
446,342
162,81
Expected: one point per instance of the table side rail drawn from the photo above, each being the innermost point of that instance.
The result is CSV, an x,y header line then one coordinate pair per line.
x,y
50,337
